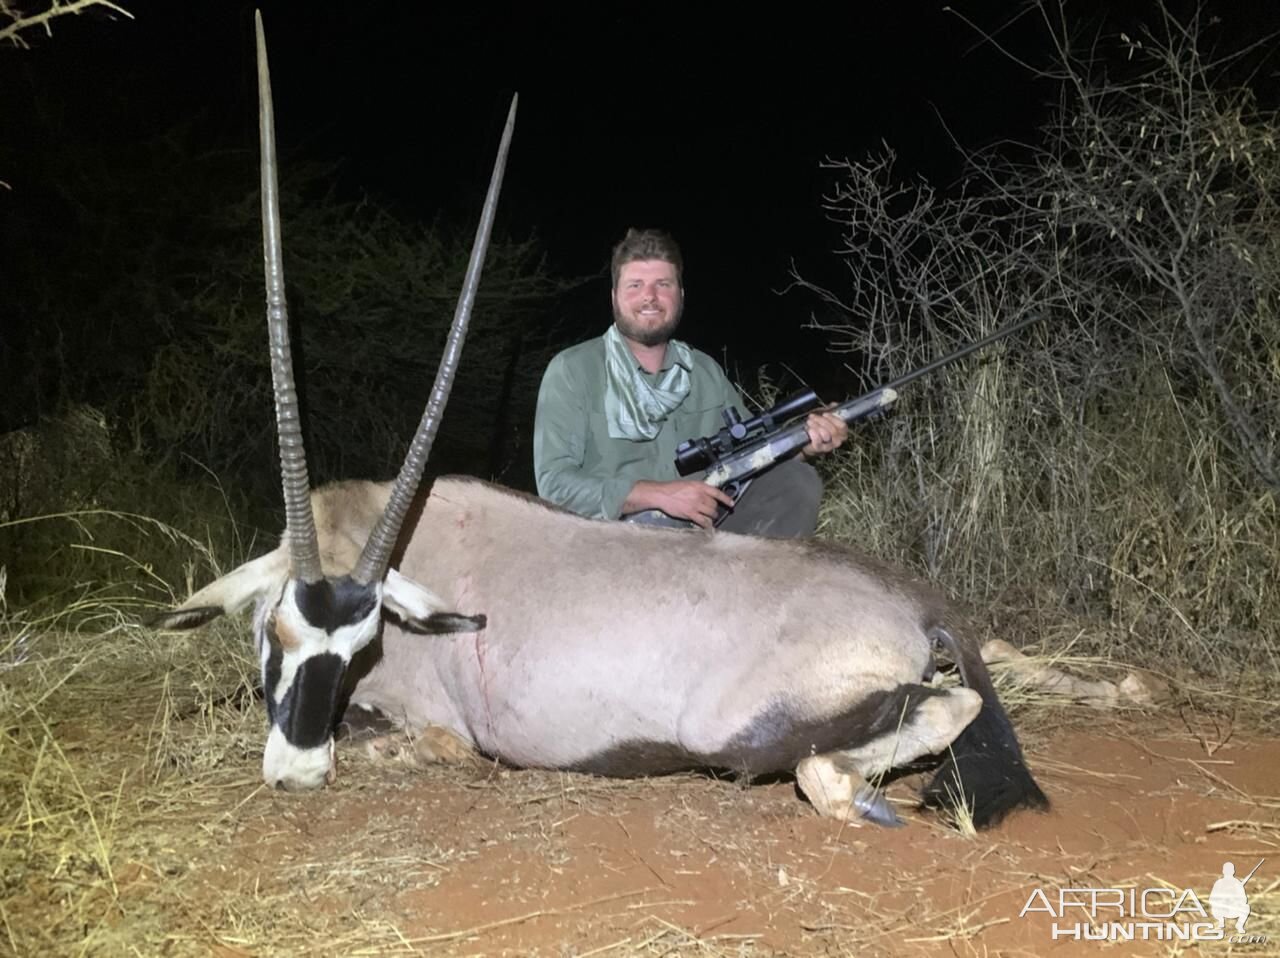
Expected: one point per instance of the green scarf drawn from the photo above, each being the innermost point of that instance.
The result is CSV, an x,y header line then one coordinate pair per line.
x,y
633,407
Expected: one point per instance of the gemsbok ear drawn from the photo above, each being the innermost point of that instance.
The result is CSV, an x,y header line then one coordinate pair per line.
x,y
227,595
181,620
421,610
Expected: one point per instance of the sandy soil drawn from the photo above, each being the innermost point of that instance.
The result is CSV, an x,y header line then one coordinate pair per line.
x,y
478,860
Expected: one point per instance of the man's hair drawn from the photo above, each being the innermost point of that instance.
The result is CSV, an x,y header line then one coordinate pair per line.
x,y
647,244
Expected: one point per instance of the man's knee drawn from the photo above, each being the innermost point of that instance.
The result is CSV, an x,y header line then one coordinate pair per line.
x,y
782,502
805,498
808,481
799,484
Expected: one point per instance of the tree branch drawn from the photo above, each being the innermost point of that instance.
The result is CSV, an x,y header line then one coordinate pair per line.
x,y
20,21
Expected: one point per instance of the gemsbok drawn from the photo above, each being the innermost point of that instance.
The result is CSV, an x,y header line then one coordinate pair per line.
x,y
539,638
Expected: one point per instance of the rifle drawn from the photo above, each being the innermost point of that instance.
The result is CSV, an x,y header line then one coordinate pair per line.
x,y
743,450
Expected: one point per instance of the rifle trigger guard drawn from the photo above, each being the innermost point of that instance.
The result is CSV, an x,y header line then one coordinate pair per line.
x,y
735,488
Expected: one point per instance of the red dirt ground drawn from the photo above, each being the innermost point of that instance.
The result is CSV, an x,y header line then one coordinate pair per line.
x,y
481,861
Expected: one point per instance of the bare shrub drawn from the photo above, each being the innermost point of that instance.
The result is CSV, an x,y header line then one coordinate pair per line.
x,y
1119,460
75,547
139,292
372,295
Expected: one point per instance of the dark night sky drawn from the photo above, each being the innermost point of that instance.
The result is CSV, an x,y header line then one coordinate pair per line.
x,y
712,124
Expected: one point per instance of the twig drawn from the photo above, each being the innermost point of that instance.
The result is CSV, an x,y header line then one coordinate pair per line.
x,y
57,8
528,916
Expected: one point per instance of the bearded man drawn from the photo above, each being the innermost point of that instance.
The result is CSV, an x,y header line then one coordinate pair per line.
x,y
612,410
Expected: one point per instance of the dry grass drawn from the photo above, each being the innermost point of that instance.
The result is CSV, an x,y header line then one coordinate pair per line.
x,y
127,762
1126,555
129,767
102,792
133,819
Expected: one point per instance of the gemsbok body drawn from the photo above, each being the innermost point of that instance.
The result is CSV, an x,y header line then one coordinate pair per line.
x,y
540,638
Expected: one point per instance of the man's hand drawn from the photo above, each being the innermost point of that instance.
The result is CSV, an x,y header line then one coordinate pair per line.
x,y
827,432
681,498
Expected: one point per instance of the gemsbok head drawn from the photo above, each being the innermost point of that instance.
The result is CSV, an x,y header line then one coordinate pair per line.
x,y
311,621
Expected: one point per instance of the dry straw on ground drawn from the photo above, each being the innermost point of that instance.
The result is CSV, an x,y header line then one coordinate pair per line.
x,y
134,822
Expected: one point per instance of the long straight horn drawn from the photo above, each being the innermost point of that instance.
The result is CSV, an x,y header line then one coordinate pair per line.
x,y
377,551
303,546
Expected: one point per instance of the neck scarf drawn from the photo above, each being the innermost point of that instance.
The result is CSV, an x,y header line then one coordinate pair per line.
x,y
635,408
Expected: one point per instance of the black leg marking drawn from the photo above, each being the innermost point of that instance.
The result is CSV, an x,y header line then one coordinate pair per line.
x,y
776,740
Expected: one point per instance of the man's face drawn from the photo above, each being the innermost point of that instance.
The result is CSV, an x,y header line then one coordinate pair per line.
x,y
647,301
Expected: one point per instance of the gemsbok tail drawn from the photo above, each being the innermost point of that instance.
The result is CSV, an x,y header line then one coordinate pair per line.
x,y
984,769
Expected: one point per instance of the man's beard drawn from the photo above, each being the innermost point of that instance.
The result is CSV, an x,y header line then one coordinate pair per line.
x,y
647,335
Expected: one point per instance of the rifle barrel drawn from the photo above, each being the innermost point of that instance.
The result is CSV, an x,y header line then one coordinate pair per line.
x,y
964,351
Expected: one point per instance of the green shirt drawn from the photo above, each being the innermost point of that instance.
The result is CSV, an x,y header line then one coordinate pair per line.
x,y
578,465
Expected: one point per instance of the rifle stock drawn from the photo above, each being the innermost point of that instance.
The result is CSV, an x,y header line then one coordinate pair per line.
x,y
755,457
733,473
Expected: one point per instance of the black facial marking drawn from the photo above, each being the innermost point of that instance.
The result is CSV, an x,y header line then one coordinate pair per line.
x,y
332,603
271,672
309,707
775,740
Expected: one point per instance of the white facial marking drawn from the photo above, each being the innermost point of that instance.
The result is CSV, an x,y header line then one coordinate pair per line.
x,y
296,769
283,764
310,640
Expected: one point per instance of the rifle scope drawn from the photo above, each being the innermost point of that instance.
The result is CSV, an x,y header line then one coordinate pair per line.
x,y
693,455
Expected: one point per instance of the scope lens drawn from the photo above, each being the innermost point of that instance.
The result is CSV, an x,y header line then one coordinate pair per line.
x,y
691,456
